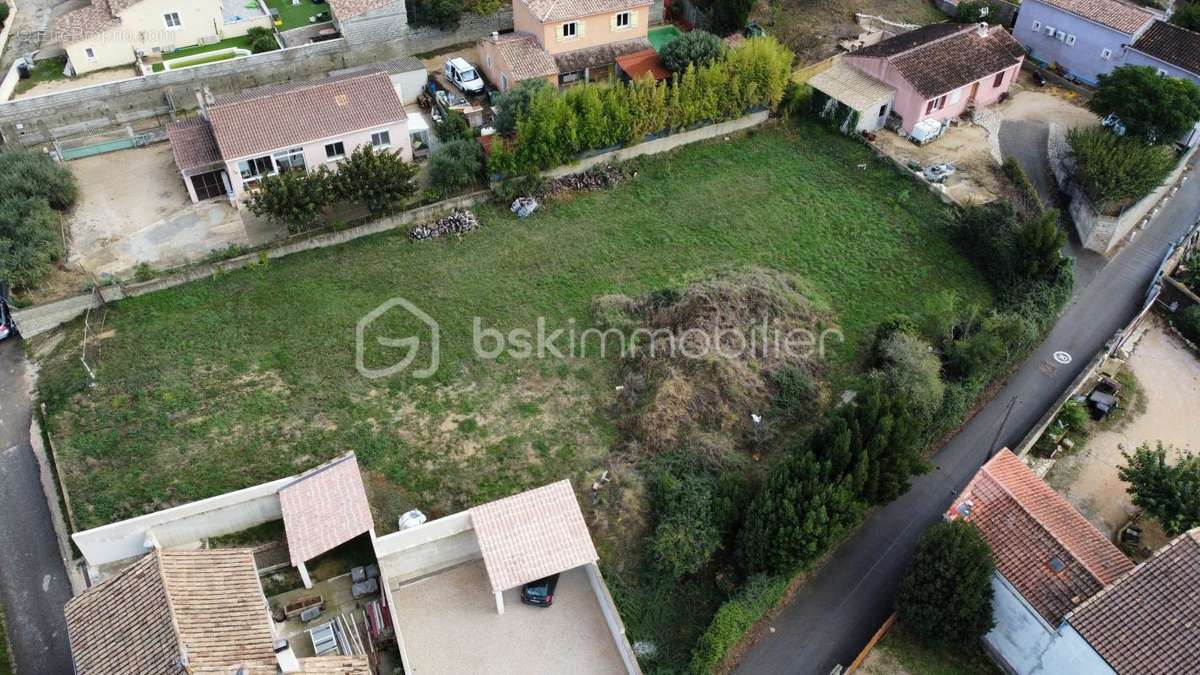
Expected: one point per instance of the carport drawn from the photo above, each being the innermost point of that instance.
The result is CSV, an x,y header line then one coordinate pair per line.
x,y
843,86
531,535
323,509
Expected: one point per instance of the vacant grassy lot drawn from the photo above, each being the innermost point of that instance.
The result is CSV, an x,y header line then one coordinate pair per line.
x,y
900,653
243,378
812,28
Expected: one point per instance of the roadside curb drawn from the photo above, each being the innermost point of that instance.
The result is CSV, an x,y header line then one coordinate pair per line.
x,y
49,487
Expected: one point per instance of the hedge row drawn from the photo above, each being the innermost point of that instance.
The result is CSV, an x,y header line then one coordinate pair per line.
x,y
734,618
557,126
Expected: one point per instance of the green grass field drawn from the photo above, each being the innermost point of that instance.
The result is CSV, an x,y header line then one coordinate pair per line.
x,y
296,16
231,381
901,648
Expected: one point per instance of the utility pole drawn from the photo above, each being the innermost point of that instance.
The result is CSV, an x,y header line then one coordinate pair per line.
x,y
992,449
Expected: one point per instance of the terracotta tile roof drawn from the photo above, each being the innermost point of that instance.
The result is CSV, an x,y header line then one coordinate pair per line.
x,y
525,56
561,10
80,24
532,535
280,116
945,61
324,507
142,619
193,144
638,64
348,9
600,55
1170,43
1148,621
1110,13
851,86
1032,531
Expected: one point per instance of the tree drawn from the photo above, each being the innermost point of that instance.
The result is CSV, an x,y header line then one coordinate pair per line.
x,y
972,11
443,14
726,16
1115,170
455,165
295,198
1039,243
697,48
30,240
1187,15
512,105
1169,492
28,173
801,509
945,597
454,127
262,40
381,181
1153,108
913,372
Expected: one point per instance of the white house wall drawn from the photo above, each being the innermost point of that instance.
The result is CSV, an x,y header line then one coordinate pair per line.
x,y
429,548
143,27
1027,645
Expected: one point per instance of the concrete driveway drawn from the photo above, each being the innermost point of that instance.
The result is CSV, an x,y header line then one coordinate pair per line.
x,y
33,581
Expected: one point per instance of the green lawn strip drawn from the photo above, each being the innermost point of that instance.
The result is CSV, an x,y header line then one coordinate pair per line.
x,y
296,16
242,42
6,666
243,378
44,70
917,659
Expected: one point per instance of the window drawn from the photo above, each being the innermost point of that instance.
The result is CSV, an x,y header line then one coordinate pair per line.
x,y
570,29
503,82
623,20
1060,36
955,96
935,104
1071,40
1037,26
1057,565
883,110
1106,54
381,139
172,21
253,169
289,160
335,150
999,80
89,53
1162,73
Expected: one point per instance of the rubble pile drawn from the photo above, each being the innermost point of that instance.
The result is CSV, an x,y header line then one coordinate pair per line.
x,y
458,223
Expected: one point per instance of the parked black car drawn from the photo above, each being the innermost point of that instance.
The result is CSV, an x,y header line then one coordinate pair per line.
x,y
540,593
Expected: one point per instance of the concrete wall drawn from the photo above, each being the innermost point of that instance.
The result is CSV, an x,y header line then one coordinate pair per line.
x,y
612,618
662,144
426,549
212,517
1083,60
1026,645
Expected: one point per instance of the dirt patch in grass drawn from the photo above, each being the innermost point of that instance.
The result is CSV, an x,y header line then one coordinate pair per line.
x,y
812,28
901,653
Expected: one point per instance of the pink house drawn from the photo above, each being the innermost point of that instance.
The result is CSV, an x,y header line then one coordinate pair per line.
x,y
942,70
242,137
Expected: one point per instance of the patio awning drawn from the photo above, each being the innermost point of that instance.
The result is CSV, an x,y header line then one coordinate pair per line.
x,y
324,508
852,87
532,535
637,64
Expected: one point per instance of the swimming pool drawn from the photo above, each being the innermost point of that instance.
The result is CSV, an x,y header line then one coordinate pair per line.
x,y
660,36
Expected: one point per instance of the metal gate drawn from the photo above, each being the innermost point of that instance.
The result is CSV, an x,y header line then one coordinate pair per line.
x,y
98,144
209,185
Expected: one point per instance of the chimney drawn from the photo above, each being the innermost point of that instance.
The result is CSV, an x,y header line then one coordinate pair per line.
x,y
201,104
982,29
495,36
208,96
285,657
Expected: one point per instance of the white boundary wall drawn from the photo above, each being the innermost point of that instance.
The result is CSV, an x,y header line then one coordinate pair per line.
x,y
426,549
212,517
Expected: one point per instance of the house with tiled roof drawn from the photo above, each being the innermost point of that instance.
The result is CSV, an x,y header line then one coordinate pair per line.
x,y
934,73
298,126
1049,561
566,41
111,33
1083,39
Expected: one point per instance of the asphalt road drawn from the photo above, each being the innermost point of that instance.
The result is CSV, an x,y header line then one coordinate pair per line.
x,y
33,582
833,616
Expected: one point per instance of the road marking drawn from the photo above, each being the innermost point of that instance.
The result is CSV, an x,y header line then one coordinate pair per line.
x,y
46,583
1062,357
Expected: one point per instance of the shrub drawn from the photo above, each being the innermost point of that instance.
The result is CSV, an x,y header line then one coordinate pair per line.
x,y
455,165
945,597
381,181
30,240
758,596
144,272
696,509
1116,170
795,394
443,14
27,173
1188,322
295,198
697,48
3,13
454,127
1029,201
262,40
972,11
1155,109
725,16
1169,492
1074,416
913,372
512,104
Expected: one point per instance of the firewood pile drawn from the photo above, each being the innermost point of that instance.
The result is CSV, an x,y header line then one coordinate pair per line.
x,y
458,223
595,178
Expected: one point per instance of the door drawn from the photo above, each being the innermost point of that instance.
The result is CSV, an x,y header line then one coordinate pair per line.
x,y
974,90
208,185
